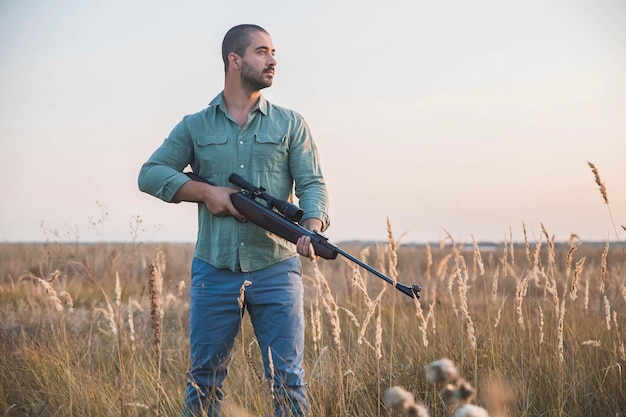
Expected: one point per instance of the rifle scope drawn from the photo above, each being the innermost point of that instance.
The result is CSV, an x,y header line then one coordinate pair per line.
x,y
290,211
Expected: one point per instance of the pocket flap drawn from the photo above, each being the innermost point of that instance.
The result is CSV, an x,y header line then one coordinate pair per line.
x,y
211,140
275,138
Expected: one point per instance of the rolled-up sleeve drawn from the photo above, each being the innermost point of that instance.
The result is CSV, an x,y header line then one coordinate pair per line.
x,y
161,176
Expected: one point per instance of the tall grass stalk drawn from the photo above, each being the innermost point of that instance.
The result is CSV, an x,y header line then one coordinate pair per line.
x,y
393,274
605,195
156,314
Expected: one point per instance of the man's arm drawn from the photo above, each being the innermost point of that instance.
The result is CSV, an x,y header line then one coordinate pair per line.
x,y
309,185
304,166
161,175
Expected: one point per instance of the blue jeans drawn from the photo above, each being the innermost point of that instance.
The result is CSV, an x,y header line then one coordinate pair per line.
x,y
274,301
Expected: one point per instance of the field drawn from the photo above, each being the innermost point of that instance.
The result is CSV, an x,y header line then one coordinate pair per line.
x,y
536,327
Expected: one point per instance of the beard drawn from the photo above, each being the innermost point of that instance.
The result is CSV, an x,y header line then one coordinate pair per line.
x,y
252,80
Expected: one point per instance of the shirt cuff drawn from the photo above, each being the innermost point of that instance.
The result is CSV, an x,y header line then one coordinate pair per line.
x,y
317,215
171,187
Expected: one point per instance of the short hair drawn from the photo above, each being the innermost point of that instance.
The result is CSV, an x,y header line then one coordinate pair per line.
x,y
237,40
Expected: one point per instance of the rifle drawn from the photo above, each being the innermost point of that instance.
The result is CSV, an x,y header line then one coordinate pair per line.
x,y
281,218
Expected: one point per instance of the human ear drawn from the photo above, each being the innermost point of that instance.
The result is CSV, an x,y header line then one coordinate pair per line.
x,y
234,60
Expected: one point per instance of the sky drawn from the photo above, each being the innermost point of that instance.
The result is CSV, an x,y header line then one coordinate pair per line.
x,y
473,119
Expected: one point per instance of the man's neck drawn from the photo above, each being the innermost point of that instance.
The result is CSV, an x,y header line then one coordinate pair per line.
x,y
240,102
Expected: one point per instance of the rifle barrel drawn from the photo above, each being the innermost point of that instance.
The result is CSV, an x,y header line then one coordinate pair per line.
x,y
413,291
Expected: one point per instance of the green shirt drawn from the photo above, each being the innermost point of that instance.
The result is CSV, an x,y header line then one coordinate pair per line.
x,y
274,150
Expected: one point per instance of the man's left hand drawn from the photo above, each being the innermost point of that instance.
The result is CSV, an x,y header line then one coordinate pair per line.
x,y
304,246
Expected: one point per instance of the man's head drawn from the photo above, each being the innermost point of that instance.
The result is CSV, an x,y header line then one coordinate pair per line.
x,y
237,40
248,54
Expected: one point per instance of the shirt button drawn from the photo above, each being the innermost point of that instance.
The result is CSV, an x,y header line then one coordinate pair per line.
x,y
241,244
241,166
241,142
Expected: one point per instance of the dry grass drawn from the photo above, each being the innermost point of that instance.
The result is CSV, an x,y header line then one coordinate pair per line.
x,y
78,333
534,328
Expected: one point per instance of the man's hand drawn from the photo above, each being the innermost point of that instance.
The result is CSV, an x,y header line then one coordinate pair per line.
x,y
215,198
217,201
304,246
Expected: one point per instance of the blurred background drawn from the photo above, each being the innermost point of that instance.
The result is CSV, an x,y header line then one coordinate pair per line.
x,y
472,118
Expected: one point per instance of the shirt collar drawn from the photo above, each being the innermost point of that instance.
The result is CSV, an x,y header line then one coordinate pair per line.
x,y
261,105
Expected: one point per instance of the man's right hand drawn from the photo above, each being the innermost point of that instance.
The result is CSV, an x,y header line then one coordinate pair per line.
x,y
215,198
217,201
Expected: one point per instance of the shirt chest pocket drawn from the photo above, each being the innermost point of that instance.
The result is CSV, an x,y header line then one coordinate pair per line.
x,y
270,152
213,153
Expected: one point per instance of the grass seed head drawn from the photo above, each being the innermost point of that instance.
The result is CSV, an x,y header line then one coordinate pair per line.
x,y
596,174
460,393
242,293
181,286
398,399
402,403
470,410
441,371
465,392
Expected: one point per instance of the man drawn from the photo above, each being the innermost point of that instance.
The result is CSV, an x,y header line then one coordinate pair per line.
x,y
268,146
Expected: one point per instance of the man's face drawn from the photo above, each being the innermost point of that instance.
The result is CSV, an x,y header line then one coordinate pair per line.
x,y
257,64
